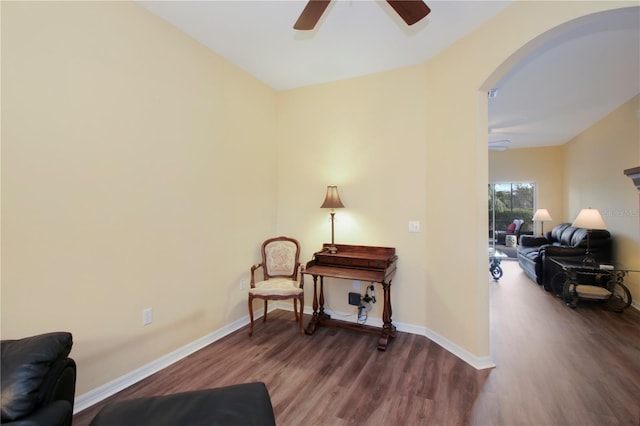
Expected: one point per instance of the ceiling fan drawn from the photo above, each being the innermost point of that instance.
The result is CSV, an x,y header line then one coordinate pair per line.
x,y
411,11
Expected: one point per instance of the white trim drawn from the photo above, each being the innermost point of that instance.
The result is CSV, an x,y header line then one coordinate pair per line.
x,y
100,393
479,363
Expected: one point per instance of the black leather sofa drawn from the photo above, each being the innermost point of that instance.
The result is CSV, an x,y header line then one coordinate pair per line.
x,y
246,404
38,380
563,240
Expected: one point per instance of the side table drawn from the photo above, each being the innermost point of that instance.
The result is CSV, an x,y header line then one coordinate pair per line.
x,y
594,282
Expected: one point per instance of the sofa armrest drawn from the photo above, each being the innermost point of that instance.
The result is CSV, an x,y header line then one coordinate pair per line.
x,y
531,241
59,383
600,244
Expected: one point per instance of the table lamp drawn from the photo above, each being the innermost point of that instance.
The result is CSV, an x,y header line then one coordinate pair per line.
x,y
589,219
332,201
542,216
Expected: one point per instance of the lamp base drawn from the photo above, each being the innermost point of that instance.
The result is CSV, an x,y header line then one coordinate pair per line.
x,y
589,260
332,249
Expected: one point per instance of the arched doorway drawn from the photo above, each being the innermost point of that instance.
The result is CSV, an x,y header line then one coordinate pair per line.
x,y
597,35
457,306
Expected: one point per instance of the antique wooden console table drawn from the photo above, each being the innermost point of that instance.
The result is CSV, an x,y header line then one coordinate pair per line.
x,y
363,263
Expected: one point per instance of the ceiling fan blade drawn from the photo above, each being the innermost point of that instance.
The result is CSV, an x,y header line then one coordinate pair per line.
x,y
311,14
411,11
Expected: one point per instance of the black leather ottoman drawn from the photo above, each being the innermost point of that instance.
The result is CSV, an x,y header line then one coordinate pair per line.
x,y
242,405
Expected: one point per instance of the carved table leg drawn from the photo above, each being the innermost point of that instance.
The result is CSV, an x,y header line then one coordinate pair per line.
x,y
322,315
313,323
388,329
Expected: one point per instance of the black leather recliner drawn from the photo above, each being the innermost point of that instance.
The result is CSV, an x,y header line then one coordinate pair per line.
x,y
38,380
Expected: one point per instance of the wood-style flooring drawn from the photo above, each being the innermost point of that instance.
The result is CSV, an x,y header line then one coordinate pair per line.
x,y
555,366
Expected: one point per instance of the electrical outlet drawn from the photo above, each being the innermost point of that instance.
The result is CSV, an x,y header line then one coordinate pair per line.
x,y
147,316
356,285
243,283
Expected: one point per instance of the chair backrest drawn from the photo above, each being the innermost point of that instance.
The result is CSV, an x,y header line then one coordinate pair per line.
x,y
280,257
518,223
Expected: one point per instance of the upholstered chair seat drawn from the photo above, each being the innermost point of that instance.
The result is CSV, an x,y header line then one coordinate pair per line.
x,y
277,287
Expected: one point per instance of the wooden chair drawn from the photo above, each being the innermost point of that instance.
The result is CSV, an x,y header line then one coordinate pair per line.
x,y
280,266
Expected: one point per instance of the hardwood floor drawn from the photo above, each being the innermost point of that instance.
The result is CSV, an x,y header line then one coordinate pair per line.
x,y
555,366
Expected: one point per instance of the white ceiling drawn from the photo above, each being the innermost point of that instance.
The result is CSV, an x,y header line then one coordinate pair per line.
x,y
559,90
586,70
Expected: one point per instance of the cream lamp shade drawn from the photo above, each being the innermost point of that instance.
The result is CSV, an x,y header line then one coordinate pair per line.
x,y
589,219
542,215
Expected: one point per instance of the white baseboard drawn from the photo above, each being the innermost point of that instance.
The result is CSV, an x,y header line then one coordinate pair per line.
x,y
478,363
100,393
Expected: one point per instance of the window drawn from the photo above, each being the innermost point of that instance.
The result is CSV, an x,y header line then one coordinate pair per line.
x,y
509,201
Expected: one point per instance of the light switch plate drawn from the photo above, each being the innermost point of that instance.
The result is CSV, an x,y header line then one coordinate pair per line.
x,y
147,316
414,226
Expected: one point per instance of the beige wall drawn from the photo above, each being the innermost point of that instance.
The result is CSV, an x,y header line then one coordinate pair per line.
x,y
543,166
367,135
595,161
138,170
359,134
